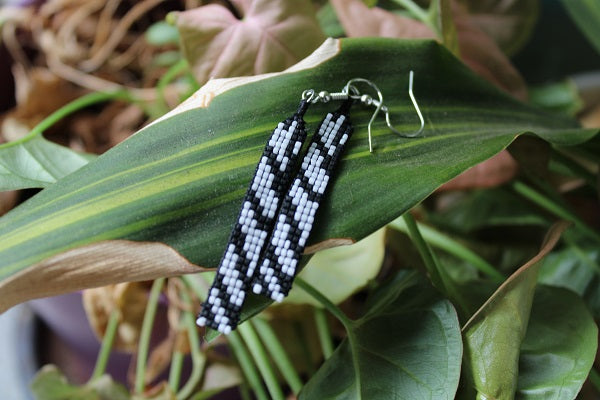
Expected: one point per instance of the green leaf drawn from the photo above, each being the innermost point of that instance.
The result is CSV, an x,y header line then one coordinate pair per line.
x,y
50,384
33,162
586,14
329,22
576,269
181,180
559,348
407,346
493,335
36,163
558,96
162,33
341,271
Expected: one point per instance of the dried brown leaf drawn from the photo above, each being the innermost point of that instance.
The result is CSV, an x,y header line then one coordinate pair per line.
x,y
129,299
493,172
271,36
94,265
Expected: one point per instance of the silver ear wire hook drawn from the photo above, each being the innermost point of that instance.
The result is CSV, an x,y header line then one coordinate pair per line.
x,y
351,92
415,104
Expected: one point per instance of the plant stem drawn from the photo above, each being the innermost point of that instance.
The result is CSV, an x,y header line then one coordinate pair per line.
x,y
176,69
594,377
278,353
245,360
107,342
70,108
415,10
323,332
260,358
175,370
144,344
198,360
554,208
332,308
443,242
439,276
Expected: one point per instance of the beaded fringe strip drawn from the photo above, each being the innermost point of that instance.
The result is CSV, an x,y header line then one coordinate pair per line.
x,y
295,219
272,178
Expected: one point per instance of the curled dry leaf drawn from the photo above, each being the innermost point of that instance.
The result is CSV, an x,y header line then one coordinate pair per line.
x,y
359,20
98,264
270,36
493,172
129,299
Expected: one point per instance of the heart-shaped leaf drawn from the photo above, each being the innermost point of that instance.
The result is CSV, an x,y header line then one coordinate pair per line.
x,y
264,38
407,346
559,348
341,271
180,181
36,163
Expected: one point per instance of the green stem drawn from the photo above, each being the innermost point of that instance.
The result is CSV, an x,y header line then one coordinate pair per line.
x,y
245,360
262,362
175,70
144,344
175,370
198,360
439,276
273,345
449,245
107,342
323,332
415,10
193,282
554,208
332,308
595,378
70,108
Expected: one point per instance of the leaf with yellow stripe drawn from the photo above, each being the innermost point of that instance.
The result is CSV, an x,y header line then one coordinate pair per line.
x,y
180,181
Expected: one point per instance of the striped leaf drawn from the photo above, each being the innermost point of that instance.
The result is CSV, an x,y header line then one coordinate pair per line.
x,y
180,181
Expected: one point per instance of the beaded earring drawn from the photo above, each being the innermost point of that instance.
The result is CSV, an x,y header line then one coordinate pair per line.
x,y
284,216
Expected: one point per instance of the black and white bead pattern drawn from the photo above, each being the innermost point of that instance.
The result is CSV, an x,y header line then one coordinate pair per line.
x,y
272,178
296,217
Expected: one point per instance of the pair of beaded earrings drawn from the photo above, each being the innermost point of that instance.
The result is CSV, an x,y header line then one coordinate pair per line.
x,y
279,208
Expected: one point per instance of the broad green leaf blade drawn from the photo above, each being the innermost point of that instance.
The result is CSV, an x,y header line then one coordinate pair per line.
x,y
36,163
407,346
493,336
181,180
577,269
341,271
51,384
559,348
586,14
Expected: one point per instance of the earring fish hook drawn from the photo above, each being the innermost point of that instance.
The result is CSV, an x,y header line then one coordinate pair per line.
x,y
379,106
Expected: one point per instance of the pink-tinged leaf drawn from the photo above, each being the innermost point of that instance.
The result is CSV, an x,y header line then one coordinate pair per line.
x,y
94,265
359,20
493,172
493,335
483,55
509,22
270,36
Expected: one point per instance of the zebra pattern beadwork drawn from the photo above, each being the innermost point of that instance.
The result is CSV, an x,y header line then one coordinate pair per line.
x,y
295,220
256,220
